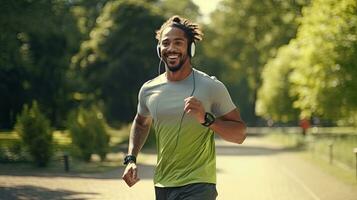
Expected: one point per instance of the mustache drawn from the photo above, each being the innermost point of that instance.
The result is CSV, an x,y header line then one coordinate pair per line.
x,y
172,52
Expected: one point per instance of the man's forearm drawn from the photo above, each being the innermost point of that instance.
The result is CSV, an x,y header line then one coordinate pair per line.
x,y
138,134
232,131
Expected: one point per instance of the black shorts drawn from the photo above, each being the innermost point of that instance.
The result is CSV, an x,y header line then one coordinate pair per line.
x,y
195,191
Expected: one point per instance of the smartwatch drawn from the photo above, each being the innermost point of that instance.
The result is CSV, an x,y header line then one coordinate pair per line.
x,y
209,119
129,158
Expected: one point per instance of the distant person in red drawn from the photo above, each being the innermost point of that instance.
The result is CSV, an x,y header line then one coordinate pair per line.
x,y
304,124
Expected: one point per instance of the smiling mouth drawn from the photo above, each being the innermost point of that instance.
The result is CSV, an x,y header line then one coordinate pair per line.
x,y
172,58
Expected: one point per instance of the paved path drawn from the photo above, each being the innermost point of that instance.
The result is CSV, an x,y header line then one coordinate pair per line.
x,y
253,171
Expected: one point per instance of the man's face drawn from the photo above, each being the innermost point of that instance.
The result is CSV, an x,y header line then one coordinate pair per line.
x,y
173,47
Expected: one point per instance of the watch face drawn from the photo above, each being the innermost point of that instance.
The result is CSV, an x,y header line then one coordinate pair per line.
x,y
126,159
209,117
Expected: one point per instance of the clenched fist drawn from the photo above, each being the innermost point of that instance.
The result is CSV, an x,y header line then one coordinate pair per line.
x,y
194,107
130,175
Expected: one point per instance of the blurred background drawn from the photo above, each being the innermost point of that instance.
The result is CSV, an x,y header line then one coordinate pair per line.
x,y
71,70
283,62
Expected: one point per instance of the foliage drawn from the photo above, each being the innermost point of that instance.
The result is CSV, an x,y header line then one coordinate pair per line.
x,y
184,8
274,100
70,53
322,78
37,39
34,130
87,128
119,56
13,151
319,63
86,13
246,34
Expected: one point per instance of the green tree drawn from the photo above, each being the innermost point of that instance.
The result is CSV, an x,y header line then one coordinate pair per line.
x,y
87,128
323,76
37,41
318,66
274,98
86,13
35,132
247,34
119,56
184,8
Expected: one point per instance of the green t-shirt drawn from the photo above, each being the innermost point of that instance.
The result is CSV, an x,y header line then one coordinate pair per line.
x,y
186,149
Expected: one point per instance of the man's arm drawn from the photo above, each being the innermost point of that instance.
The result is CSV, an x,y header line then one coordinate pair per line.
x,y
230,127
138,133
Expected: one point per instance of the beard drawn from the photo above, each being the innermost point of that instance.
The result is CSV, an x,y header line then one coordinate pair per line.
x,y
177,67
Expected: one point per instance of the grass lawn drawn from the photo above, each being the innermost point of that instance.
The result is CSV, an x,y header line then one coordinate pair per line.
x,y
343,173
62,144
316,151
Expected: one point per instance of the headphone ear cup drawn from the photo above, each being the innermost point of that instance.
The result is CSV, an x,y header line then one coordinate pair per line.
x,y
192,49
158,51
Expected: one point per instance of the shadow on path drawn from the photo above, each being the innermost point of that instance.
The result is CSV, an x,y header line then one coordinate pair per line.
x,y
146,171
40,193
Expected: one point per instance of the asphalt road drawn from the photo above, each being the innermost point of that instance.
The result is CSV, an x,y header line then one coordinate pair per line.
x,y
255,170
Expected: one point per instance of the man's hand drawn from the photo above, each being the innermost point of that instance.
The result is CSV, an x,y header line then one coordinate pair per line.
x,y
130,175
195,108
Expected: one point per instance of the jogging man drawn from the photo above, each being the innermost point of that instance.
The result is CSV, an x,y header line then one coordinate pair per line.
x,y
186,108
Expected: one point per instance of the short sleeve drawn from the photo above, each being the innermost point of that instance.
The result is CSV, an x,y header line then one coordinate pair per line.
x,y
142,106
221,100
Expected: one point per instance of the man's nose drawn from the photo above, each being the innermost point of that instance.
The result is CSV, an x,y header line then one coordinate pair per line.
x,y
171,47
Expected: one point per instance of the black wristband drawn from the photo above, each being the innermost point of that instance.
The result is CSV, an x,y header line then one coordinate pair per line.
x,y
209,119
129,158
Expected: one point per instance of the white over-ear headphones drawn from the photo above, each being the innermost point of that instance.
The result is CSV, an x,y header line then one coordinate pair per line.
x,y
191,50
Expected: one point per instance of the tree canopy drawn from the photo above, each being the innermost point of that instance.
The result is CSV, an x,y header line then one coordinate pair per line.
x,y
320,66
119,56
280,60
245,34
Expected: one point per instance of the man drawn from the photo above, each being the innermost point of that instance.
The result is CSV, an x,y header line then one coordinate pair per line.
x,y
187,107
304,124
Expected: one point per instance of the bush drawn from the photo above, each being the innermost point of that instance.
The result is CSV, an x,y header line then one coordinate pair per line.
x,y
35,132
88,132
14,152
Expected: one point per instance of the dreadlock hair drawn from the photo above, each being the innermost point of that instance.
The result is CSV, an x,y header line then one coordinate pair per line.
x,y
192,30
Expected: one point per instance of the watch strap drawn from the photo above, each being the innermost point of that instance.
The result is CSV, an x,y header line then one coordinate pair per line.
x,y
129,158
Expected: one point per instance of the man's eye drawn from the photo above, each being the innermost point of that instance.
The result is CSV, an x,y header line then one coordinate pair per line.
x,y
178,43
